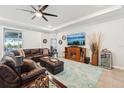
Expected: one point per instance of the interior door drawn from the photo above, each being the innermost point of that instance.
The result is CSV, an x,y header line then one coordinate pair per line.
x,y
54,43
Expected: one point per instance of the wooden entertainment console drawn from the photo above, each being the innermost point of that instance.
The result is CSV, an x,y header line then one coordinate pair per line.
x,y
75,53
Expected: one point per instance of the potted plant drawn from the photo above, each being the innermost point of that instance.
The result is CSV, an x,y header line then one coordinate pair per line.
x,y
95,41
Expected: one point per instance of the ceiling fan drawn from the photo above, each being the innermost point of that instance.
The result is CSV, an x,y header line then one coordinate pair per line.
x,y
39,12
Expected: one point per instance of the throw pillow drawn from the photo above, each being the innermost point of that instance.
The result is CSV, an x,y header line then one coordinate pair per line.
x,y
21,52
45,51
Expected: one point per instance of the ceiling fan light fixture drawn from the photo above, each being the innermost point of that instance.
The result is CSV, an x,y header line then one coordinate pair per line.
x,y
38,14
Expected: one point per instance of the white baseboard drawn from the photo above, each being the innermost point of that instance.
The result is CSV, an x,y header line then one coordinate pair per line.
x,y
118,67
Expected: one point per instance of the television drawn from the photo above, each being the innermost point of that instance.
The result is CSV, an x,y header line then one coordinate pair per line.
x,y
76,39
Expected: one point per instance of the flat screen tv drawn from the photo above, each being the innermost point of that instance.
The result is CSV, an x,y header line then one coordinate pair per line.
x,y
76,39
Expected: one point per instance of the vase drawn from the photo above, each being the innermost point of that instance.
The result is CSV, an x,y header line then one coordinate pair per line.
x,y
95,59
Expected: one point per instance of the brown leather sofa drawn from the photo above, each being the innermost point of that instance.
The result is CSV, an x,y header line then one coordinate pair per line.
x,y
33,54
11,78
36,54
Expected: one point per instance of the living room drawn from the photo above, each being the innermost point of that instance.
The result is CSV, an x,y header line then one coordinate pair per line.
x,y
41,37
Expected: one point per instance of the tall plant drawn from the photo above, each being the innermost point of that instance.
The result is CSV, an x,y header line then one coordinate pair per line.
x,y
95,42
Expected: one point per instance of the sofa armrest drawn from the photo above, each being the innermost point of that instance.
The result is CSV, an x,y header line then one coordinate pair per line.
x,y
8,78
32,75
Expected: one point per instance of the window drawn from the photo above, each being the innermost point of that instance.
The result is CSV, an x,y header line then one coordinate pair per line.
x,y
12,40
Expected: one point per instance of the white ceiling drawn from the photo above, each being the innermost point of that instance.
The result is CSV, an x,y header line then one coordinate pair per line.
x,y
67,15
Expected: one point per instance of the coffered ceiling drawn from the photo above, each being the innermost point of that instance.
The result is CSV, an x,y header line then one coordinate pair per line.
x,y
67,15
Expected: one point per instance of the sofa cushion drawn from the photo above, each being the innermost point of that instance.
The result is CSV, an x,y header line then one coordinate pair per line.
x,y
27,52
29,57
41,51
16,52
35,51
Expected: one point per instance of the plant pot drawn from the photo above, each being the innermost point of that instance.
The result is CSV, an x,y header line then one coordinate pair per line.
x,y
95,59
87,60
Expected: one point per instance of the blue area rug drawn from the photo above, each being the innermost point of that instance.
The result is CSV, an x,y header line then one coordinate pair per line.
x,y
79,75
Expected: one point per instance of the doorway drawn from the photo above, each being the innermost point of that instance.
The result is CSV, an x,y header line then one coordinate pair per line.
x,y
53,44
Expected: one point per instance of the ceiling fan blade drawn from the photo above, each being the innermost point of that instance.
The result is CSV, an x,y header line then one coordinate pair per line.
x,y
39,6
33,17
44,7
26,10
45,18
48,14
33,7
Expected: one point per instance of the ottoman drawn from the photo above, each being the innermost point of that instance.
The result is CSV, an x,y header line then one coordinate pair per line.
x,y
52,67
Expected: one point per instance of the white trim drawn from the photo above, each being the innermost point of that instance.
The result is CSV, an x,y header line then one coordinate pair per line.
x,y
118,67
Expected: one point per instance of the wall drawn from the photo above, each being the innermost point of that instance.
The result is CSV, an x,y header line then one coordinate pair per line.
x,y
31,39
45,36
113,35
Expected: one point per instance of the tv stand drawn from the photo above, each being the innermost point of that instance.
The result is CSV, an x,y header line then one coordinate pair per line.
x,y
75,53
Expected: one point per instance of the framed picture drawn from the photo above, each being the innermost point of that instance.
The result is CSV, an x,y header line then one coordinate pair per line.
x,y
64,37
60,42
44,41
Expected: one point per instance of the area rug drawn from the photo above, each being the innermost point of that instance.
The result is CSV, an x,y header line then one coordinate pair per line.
x,y
79,75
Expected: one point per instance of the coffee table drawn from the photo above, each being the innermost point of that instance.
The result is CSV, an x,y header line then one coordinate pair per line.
x,y
56,82
46,81
53,67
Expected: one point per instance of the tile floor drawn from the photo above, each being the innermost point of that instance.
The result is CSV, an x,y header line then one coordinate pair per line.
x,y
111,79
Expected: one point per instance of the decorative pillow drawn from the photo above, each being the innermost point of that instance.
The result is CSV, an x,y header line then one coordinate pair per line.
x,y
45,51
21,52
